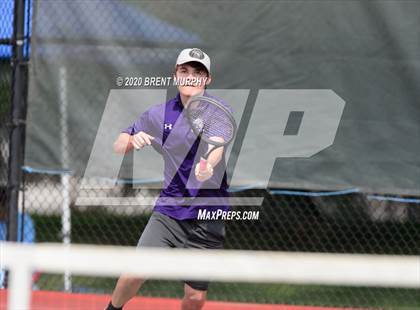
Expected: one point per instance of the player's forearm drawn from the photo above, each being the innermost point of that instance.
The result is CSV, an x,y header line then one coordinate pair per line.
x,y
123,144
215,157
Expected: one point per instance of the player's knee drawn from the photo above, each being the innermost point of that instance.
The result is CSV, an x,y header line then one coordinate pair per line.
x,y
193,299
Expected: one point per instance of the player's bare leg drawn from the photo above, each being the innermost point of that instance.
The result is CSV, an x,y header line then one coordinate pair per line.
x,y
125,289
193,299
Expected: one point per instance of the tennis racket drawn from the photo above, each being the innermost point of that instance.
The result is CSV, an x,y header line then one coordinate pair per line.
x,y
212,122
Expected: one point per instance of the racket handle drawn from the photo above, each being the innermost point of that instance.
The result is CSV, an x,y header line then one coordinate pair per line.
x,y
203,164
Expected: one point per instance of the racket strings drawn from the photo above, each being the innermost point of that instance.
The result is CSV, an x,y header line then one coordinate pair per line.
x,y
211,121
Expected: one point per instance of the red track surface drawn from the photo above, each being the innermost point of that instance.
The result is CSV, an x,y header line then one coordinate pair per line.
x,y
44,300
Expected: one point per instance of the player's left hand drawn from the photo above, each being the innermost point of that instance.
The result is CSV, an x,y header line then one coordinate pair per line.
x,y
203,175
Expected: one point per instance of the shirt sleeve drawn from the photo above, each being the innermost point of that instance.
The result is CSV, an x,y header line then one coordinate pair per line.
x,y
141,124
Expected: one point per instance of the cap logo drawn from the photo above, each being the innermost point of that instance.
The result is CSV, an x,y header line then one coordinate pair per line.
x,y
196,53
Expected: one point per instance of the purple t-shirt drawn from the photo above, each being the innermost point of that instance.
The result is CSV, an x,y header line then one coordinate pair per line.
x,y
182,195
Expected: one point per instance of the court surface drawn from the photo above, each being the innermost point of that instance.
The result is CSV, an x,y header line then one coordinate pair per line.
x,y
46,300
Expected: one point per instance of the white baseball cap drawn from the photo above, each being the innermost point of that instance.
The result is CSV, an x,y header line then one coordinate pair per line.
x,y
194,54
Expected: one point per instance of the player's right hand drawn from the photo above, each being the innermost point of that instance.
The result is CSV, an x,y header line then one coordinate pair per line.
x,y
139,140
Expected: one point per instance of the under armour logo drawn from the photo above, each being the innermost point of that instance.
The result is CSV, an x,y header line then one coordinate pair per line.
x,y
168,126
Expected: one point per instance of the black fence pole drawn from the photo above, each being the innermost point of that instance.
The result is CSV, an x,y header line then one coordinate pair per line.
x,y
17,129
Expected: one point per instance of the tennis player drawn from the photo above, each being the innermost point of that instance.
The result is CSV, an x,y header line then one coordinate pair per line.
x,y
176,225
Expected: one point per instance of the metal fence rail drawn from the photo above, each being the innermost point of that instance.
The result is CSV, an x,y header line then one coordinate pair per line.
x,y
262,267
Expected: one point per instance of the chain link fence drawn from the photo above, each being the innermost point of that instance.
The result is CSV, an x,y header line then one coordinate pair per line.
x,y
348,223
288,221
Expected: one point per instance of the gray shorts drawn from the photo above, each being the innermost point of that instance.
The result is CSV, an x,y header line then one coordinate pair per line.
x,y
164,231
